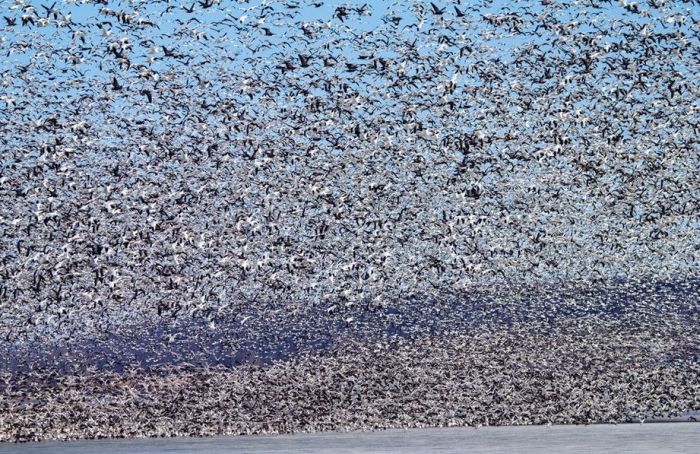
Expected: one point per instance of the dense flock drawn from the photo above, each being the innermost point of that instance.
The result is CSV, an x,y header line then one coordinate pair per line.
x,y
252,216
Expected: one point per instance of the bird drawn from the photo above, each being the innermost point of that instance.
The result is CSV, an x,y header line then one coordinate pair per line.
x,y
437,10
116,86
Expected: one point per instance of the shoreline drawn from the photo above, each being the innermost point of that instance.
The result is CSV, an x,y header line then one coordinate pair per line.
x,y
639,438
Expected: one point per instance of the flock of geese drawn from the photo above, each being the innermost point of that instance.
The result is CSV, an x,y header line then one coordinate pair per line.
x,y
233,216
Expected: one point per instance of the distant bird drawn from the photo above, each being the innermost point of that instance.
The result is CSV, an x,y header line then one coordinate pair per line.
x,y
341,13
116,86
437,10
148,94
305,61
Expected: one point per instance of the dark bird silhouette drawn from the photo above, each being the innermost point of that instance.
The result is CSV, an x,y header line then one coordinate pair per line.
x,y
116,86
341,13
305,61
436,10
